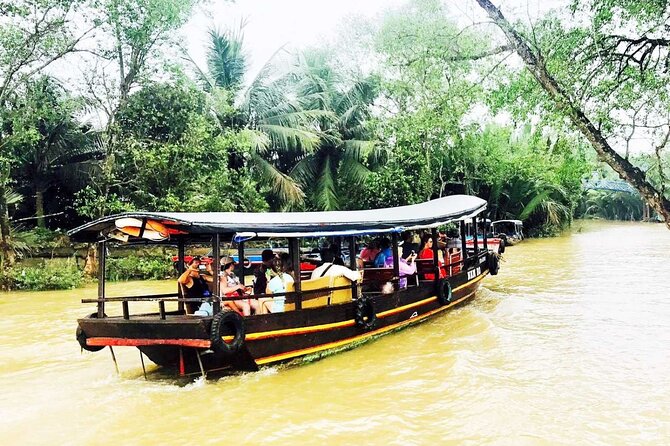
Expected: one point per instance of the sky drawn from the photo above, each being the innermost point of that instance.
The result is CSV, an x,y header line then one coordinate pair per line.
x,y
273,24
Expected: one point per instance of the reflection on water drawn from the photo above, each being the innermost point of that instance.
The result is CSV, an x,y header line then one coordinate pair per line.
x,y
568,344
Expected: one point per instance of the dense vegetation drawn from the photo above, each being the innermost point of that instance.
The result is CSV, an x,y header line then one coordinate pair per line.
x,y
399,110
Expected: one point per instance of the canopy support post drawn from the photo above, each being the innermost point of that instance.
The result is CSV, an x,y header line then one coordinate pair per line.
x,y
396,261
216,260
294,250
486,245
352,265
464,246
436,259
475,237
180,269
240,260
102,266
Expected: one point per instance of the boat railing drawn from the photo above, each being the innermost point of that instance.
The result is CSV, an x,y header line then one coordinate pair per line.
x,y
292,297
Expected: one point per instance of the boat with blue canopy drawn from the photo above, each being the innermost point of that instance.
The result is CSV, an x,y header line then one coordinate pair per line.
x,y
318,314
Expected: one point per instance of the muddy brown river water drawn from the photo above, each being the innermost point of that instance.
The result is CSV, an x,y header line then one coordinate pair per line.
x,y
569,344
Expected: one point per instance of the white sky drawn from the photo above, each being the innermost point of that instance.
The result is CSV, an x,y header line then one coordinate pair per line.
x,y
270,24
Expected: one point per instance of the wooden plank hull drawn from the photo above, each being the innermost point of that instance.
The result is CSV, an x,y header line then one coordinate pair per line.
x,y
179,340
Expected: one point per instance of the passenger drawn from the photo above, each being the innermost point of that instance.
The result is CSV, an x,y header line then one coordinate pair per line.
x,y
232,287
264,273
338,259
407,266
329,268
194,284
427,253
370,251
283,268
410,243
385,251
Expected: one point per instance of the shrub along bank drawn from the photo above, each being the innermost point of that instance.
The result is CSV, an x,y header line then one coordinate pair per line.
x,y
57,274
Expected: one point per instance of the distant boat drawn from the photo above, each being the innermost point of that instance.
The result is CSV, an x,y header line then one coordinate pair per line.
x,y
319,315
509,230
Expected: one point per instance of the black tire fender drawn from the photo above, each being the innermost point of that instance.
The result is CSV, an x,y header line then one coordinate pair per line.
x,y
444,292
81,337
493,262
366,317
231,319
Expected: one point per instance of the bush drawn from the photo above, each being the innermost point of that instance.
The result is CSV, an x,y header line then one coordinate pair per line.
x,y
139,268
45,277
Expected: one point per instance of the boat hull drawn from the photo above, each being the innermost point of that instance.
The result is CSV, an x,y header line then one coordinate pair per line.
x,y
183,341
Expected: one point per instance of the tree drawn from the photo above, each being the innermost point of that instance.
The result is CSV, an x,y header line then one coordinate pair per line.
x,y
346,141
170,156
577,115
54,144
34,34
275,123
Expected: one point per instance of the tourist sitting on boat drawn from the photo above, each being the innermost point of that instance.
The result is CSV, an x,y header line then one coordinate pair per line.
x,y
370,251
427,253
328,268
264,273
230,286
385,251
407,267
283,269
193,284
411,242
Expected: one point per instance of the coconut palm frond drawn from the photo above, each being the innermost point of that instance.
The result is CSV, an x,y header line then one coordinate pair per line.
x,y
533,205
226,61
21,242
325,196
259,142
290,138
353,170
362,149
305,171
556,213
12,197
297,118
281,184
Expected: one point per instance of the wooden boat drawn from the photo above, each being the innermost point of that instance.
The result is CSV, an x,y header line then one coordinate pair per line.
x,y
321,315
485,239
509,230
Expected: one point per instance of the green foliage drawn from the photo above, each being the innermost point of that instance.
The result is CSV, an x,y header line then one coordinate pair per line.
x,y
161,112
139,268
50,276
610,205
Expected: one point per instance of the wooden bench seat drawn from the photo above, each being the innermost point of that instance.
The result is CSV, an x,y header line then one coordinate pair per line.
x,y
319,293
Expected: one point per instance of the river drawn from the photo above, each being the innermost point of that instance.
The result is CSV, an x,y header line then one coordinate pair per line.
x,y
569,344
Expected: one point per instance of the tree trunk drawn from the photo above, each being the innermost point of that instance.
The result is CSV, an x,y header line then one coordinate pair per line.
x,y
7,253
91,263
606,153
39,209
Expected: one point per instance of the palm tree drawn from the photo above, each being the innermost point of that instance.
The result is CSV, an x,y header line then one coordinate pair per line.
x,y
60,147
274,122
346,142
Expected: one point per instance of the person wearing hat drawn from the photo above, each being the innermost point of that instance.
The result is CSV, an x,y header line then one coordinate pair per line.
x,y
264,273
232,287
193,283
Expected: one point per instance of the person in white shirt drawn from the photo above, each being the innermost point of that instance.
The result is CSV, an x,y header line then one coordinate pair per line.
x,y
283,269
329,269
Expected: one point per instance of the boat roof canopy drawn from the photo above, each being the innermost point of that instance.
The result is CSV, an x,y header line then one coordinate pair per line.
x,y
297,224
516,222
